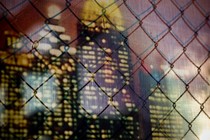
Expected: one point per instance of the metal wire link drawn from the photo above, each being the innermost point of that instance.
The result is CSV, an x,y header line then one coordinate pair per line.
x,y
112,69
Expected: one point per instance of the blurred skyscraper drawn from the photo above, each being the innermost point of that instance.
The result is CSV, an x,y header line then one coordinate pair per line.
x,y
161,119
38,88
105,87
13,124
54,72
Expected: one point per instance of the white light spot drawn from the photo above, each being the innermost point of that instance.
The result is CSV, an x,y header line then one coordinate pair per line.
x,y
65,37
123,91
44,46
103,40
55,52
53,10
72,51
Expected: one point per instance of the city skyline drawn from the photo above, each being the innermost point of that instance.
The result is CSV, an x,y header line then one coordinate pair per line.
x,y
98,73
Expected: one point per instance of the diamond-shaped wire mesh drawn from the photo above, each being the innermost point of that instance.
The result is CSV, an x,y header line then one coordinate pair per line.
x,y
104,69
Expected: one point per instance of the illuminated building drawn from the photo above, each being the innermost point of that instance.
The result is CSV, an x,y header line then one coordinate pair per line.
x,y
164,122
52,112
13,124
104,84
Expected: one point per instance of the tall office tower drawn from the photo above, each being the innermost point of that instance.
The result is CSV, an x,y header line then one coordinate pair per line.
x,y
105,95
52,112
165,122
13,124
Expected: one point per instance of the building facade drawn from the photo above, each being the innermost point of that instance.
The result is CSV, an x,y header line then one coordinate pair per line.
x,y
13,123
38,88
162,120
105,92
55,73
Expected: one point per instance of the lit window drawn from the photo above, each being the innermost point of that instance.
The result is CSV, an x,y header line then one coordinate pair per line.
x,y
103,40
87,38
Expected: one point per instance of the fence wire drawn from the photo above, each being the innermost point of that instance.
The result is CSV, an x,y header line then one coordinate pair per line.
x,y
112,69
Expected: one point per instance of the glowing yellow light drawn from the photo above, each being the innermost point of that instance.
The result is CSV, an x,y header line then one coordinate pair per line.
x,y
53,10
87,38
103,8
94,116
205,135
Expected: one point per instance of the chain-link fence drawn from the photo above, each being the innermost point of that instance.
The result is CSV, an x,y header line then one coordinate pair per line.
x,y
105,69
